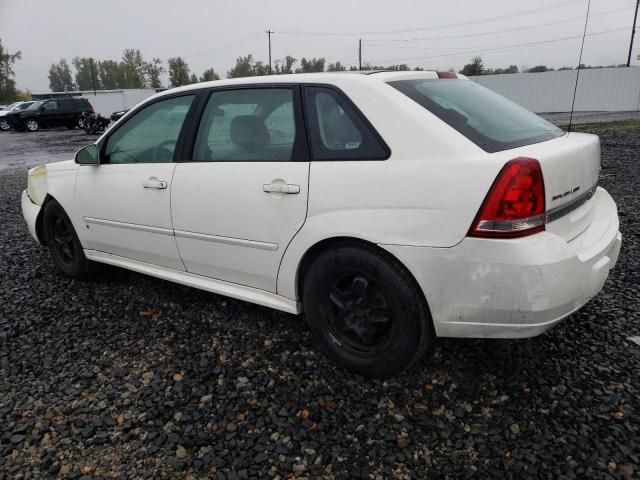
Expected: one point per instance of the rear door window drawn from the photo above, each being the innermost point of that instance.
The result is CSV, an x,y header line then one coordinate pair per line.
x,y
249,125
337,130
491,121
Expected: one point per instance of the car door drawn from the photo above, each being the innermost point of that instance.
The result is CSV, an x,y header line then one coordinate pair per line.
x,y
125,201
242,197
48,113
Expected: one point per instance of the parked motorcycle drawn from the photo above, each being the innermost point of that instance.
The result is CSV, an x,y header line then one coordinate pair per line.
x,y
94,124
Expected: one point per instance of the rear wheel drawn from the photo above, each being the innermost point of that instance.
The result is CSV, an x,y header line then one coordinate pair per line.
x,y
365,310
64,245
32,125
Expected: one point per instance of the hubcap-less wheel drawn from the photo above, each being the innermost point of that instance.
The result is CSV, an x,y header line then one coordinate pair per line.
x,y
4,125
63,240
361,318
32,125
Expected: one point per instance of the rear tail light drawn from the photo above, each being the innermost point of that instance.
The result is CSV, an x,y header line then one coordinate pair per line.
x,y
515,204
447,75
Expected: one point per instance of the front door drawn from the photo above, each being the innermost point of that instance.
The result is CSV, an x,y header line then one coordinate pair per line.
x,y
126,200
240,200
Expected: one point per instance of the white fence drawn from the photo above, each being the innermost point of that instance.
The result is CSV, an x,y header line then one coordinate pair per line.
x,y
599,89
105,102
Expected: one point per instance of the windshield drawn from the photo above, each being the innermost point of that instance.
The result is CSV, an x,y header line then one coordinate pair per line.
x,y
10,107
487,119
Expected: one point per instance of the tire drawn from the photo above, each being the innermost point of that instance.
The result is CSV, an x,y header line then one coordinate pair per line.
x,y
64,246
32,125
4,126
80,122
365,310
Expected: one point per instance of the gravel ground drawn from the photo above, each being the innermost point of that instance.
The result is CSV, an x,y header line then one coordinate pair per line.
x,y
132,377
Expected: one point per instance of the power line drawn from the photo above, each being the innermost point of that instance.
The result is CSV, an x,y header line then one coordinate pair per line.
x,y
433,27
502,47
223,46
633,33
492,32
575,88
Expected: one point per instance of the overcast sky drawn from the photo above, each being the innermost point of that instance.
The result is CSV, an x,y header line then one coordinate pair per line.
x,y
214,33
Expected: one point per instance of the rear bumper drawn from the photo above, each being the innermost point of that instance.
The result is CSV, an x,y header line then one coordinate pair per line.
x,y
515,288
30,213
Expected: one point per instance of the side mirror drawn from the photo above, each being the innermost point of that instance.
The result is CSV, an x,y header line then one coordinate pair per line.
x,y
88,155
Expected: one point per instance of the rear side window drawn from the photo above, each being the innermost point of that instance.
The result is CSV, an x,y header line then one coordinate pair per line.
x,y
51,105
248,125
489,120
337,130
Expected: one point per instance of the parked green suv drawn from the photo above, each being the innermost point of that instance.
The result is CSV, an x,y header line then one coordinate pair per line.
x,y
59,112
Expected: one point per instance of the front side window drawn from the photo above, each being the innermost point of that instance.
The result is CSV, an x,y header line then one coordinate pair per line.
x,y
337,130
247,125
489,120
50,106
150,135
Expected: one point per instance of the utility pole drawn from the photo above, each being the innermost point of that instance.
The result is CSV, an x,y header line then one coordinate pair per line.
x,y
360,54
93,76
633,33
269,32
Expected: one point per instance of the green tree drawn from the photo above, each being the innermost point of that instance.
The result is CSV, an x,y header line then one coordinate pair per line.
x,y
311,65
86,73
247,67
284,65
178,72
474,68
539,68
7,82
111,75
209,75
193,78
153,70
60,78
134,68
336,67
509,69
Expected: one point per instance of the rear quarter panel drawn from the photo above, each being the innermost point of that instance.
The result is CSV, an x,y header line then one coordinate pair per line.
x,y
426,194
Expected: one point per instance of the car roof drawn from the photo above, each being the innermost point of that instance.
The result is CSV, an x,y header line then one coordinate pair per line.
x,y
320,77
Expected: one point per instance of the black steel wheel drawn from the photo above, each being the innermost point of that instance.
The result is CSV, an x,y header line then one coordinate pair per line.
x,y
64,246
360,315
365,310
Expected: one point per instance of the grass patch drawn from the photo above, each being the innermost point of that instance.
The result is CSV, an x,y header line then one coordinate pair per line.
x,y
606,127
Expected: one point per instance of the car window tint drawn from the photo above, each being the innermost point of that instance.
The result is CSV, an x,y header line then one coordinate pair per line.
x,y
489,120
150,135
53,105
247,125
337,130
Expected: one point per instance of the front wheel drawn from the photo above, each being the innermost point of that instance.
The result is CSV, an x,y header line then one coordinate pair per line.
x,y
64,245
32,125
366,311
4,126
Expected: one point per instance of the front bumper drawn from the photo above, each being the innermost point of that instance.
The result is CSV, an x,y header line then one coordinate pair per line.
x,y
30,213
488,288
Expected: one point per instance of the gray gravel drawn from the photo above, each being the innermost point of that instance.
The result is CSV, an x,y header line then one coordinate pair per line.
x,y
132,377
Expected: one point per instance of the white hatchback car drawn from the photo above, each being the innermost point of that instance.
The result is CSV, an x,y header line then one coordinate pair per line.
x,y
393,207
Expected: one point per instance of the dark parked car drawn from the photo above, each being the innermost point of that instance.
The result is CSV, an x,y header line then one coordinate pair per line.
x,y
59,112
118,115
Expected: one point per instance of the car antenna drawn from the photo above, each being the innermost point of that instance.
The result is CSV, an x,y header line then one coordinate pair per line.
x,y
575,88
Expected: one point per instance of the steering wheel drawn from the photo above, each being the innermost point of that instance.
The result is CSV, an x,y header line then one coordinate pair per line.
x,y
164,151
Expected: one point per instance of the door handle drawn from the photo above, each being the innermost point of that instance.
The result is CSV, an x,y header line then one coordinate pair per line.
x,y
288,188
153,182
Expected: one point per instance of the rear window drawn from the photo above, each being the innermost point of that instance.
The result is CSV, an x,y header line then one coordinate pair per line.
x,y
487,119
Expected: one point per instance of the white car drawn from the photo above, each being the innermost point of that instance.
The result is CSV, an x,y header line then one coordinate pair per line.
x,y
391,208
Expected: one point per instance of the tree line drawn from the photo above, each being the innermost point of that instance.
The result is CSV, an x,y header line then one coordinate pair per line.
x,y
476,67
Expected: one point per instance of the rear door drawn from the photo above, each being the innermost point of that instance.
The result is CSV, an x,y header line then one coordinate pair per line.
x,y
242,197
49,113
